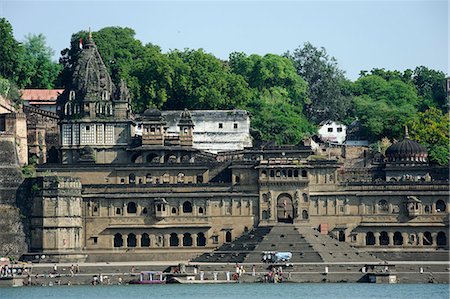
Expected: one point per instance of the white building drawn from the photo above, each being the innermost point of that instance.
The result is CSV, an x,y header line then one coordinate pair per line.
x,y
331,131
215,130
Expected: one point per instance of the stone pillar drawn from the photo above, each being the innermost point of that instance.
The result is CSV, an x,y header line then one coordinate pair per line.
x,y
391,238
152,240
138,240
361,238
194,208
420,239
180,240
124,209
434,241
194,240
166,240
377,239
405,239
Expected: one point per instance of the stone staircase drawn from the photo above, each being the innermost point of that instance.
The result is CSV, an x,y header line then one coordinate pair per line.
x,y
306,244
333,251
285,237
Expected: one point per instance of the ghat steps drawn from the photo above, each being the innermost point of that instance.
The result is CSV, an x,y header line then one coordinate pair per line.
x,y
306,244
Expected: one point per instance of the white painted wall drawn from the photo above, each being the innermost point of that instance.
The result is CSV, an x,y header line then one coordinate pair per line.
x,y
332,131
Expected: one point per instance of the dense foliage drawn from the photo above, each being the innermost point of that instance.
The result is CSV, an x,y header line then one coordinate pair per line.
x,y
287,95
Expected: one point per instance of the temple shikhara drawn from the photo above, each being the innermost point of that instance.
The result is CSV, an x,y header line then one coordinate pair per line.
x,y
113,185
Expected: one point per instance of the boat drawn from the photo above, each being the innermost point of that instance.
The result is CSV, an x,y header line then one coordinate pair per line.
x,y
149,277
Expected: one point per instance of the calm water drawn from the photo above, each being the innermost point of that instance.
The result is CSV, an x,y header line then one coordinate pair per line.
x,y
253,291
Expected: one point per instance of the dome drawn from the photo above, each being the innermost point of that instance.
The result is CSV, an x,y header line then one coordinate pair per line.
x,y
186,119
152,113
407,150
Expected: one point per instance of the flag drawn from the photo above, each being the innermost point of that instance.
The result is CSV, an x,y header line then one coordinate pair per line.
x,y
81,44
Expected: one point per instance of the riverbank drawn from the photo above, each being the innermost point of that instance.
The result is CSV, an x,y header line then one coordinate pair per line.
x,y
118,273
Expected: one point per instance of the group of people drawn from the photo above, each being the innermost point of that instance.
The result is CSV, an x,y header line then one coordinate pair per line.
x,y
274,276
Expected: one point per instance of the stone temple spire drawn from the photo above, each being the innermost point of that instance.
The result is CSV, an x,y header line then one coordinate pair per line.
x,y
406,135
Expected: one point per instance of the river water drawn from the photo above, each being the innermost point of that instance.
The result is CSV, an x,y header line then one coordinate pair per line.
x,y
250,291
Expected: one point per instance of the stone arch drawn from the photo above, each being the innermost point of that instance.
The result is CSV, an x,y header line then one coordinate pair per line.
x,y
228,238
174,210
384,238
272,173
185,159
427,238
341,236
263,174
118,211
305,197
187,240
136,158
148,178
383,206
441,239
152,158
289,173
440,206
173,240
285,209
166,178
398,238
131,240
131,207
170,158
305,215
370,238
180,178
265,198
265,215
201,239
296,173
187,207
132,178
118,240
304,174
145,240
201,210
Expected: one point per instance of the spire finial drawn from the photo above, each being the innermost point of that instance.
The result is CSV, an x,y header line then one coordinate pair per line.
x,y
406,133
90,33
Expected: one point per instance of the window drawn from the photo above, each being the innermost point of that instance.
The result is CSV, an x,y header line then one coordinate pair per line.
x,y
200,210
88,128
235,125
201,240
144,211
131,208
330,130
220,125
339,129
187,207
118,240
228,237
94,240
174,210
145,240
215,239
118,211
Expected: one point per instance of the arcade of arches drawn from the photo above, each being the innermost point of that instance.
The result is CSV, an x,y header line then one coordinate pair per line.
x,y
162,240
398,238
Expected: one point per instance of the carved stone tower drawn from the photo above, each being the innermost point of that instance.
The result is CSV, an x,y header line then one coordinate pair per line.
x,y
153,127
186,128
96,116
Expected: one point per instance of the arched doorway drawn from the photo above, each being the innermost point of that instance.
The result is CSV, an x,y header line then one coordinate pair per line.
x,y
441,239
174,242
187,240
384,238
427,238
341,236
118,240
201,240
285,210
228,237
398,238
370,238
145,240
131,240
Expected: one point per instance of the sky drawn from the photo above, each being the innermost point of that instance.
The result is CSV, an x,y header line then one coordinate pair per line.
x,y
361,35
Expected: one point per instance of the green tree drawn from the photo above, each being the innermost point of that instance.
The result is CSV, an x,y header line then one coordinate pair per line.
x,y
276,119
431,87
10,51
431,129
326,83
41,72
383,106
269,71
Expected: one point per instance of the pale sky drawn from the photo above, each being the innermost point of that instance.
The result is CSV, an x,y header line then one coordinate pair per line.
x,y
361,35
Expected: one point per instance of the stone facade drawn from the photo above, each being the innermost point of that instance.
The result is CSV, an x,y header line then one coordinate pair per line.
x,y
124,196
